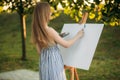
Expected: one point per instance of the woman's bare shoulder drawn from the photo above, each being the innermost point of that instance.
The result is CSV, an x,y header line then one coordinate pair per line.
x,y
51,30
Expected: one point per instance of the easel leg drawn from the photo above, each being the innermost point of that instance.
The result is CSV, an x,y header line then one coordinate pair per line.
x,y
76,74
73,72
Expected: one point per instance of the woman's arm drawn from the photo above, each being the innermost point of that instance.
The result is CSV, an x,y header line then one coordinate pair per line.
x,y
38,49
61,41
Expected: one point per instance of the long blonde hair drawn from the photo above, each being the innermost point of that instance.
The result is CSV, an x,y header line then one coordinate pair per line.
x,y
41,17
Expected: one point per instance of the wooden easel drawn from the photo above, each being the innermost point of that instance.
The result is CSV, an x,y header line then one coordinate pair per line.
x,y
73,71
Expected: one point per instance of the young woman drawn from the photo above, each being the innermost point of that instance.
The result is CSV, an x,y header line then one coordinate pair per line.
x,y
46,39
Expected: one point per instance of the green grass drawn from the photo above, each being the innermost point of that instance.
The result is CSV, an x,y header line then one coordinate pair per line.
x,y
105,64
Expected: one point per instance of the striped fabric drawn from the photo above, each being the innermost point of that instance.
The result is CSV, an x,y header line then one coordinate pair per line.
x,y
51,64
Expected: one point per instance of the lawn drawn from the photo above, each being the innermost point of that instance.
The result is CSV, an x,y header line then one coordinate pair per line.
x,y
105,64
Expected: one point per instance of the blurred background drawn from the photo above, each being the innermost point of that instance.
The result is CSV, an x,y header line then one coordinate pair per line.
x,y
17,52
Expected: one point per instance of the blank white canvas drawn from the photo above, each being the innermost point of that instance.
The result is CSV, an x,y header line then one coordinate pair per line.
x,y
81,53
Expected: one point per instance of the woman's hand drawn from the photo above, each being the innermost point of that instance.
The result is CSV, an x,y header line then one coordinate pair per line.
x,y
81,33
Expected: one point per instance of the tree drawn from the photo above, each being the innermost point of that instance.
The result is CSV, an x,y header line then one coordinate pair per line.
x,y
106,11
23,7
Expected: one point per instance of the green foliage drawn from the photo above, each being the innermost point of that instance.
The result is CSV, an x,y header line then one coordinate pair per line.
x,y
111,12
107,12
22,7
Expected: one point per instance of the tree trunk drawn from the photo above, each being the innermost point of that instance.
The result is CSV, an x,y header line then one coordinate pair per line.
x,y
23,36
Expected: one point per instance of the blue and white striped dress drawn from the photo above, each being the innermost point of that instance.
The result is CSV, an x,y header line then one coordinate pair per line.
x,y
51,64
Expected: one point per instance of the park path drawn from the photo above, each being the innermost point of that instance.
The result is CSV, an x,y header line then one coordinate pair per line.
x,y
22,74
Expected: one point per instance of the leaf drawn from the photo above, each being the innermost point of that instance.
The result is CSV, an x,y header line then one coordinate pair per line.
x,y
91,15
92,5
97,2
